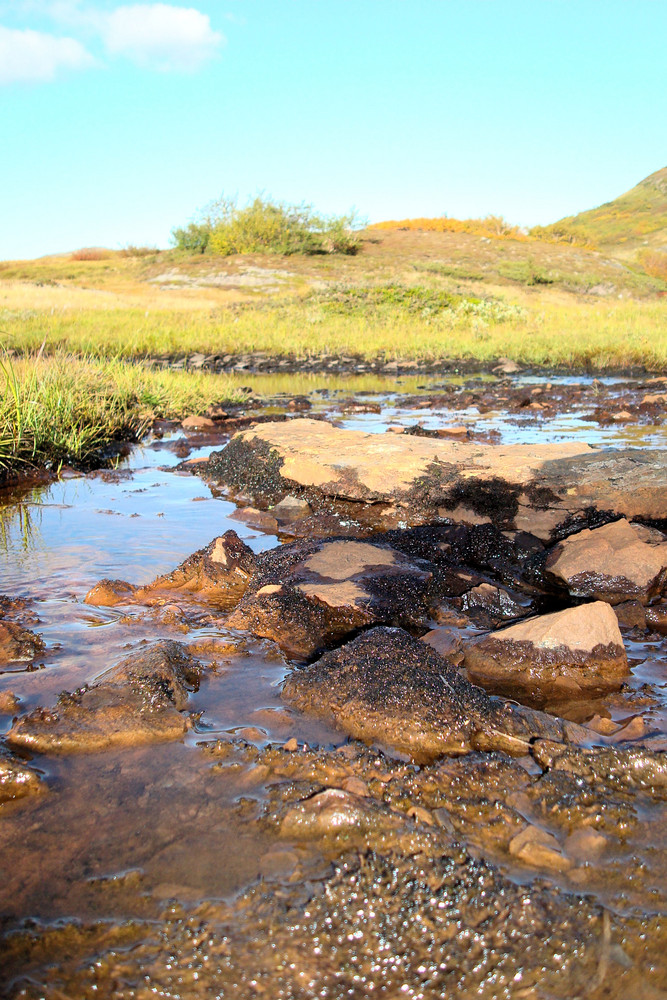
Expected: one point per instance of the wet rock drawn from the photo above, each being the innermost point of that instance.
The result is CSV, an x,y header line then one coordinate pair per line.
x,y
219,572
568,652
291,509
539,849
630,614
9,703
386,687
109,593
138,701
511,484
656,617
377,924
585,844
260,519
615,563
17,780
497,601
18,644
335,811
446,642
307,596
299,403
199,423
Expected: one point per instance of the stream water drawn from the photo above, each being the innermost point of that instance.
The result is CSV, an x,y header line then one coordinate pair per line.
x,y
119,833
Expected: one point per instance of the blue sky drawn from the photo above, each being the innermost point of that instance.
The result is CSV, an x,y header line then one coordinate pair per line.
x,y
118,120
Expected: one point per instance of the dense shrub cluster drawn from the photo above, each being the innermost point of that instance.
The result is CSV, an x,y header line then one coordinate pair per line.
x,y
494,226
266,226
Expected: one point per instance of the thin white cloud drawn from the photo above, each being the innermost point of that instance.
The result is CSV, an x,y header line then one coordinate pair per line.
x,y
159,36
28,56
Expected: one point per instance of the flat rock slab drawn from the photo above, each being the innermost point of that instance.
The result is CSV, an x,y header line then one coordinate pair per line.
x,y
579,650
308,596
617,562
387,687
533,488
139,701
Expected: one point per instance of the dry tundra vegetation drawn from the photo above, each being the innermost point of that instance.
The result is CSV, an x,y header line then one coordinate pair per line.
x,y
587,292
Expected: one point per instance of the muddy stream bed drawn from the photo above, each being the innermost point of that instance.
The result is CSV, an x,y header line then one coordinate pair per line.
x,y
262,850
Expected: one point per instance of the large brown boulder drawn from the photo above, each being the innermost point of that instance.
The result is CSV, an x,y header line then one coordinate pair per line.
x,y
307,596
615,563
138,701
387,687
557,655
541,489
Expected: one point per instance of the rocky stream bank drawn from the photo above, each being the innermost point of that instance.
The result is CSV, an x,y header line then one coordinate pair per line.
x,y
396,726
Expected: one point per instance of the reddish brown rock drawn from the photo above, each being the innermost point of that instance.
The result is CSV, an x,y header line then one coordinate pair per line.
x,y
307,596
615,563
138,701
387,687
17,644
496,601
17,780
109,593
512,484
562,654
199,423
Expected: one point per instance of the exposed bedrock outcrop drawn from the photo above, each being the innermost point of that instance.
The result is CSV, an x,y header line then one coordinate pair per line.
x,y
616,562
548,490
387,687
579,650
138,701
219,573
308,596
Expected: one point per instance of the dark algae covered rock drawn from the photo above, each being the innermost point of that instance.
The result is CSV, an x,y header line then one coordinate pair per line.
x,y
387,687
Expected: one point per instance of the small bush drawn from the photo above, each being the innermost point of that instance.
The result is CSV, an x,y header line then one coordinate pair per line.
x,y
193,238
91,253
654,263
132,251
494,226
266,226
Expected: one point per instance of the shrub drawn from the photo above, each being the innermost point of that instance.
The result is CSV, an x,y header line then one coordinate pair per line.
x,y
267,226
193,238
91,253
654,263
133,251
492,225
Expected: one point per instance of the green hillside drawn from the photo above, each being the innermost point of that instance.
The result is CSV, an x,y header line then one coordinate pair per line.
x,y
634,219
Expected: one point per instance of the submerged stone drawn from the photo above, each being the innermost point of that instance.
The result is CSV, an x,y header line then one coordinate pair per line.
x,y
109,593
565,653
307,596
387,687
138,701
617,562
17,779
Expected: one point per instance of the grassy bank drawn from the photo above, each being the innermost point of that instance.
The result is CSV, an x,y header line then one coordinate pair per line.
x,y
66,408
541,332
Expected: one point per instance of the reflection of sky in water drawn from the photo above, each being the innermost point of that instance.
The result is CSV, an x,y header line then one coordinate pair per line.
x,y
62,538
515,428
